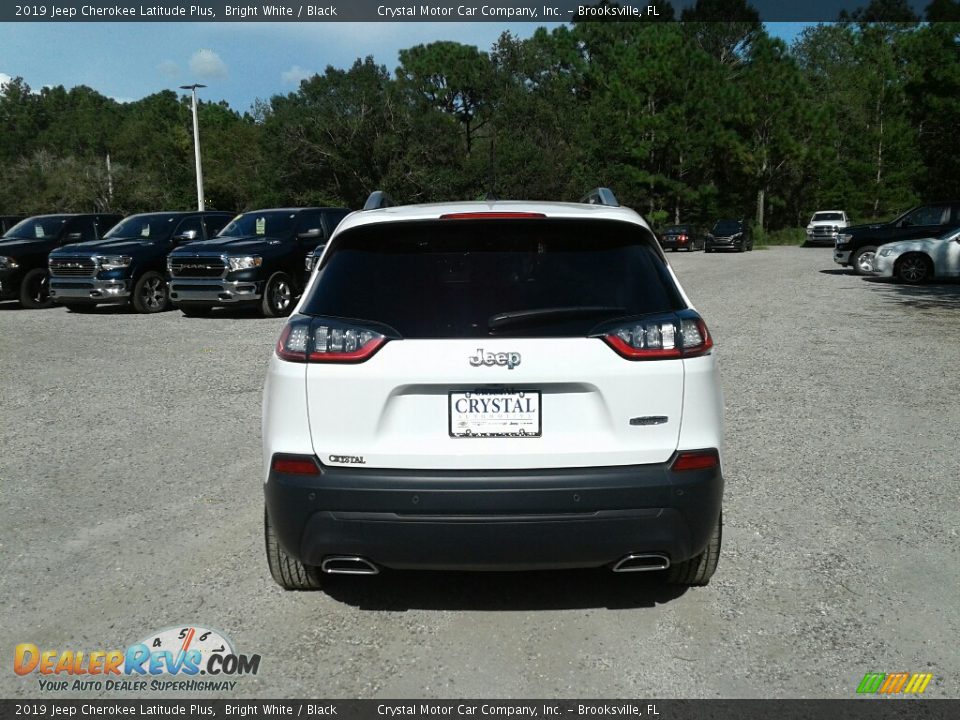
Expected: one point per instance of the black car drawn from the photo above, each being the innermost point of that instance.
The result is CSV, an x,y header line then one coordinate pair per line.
x,y
729,235
25,246
128,265
681,237
257,260
857,245
8,221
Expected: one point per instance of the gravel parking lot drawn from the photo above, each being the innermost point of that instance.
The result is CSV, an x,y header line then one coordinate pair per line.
x,y
131,501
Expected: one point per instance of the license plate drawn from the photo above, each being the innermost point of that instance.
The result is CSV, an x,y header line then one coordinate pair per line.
x,y
494,414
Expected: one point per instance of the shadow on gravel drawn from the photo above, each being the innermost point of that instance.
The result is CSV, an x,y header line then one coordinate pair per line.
x,y
838,271
252,313
943,295
494,591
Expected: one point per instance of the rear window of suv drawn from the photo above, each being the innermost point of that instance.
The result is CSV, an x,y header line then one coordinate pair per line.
x,y
455,278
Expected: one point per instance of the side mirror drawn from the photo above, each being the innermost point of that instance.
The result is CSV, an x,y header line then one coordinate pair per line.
x,y
185,236
310,234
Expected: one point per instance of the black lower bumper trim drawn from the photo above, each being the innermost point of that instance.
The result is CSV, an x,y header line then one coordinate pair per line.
x,y
495,520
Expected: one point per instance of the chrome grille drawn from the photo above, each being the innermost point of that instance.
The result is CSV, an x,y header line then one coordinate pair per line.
x,y
212,266
824,230
73,267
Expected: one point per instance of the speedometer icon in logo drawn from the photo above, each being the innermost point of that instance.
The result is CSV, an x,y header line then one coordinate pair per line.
x,y
197,642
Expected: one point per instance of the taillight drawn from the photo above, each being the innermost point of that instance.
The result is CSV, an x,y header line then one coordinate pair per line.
x,y
695,460
295,464
661,338
321,340
681,238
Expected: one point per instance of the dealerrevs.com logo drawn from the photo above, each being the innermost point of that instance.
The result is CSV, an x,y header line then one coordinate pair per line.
x,y
187,658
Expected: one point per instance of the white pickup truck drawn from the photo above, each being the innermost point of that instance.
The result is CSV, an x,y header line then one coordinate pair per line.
x,y
824,227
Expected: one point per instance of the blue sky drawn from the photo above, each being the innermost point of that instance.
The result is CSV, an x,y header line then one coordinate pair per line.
x,y
239,62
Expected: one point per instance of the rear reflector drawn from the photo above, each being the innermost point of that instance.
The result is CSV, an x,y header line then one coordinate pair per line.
x,y
295,465
695,460
492,216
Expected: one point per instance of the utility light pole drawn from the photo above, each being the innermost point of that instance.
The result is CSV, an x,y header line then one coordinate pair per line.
x,y
196,142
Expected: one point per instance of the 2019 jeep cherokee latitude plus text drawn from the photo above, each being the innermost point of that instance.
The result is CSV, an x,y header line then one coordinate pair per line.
x,y
493,386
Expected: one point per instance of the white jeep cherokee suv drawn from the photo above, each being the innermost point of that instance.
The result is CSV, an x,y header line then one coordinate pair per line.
x,y
493,386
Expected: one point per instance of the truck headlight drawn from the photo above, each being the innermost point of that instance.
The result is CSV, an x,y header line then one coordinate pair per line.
x,y
8,263
845,237
809,231
246,262
113,262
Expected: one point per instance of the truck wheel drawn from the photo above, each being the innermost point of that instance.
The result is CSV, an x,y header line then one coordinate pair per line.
x,y
35,290
914,268
699,569
278,296
862,260
195,309
288,572
150,293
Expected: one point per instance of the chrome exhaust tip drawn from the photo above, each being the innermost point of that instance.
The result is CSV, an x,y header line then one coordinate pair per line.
x,y
348,565
642,562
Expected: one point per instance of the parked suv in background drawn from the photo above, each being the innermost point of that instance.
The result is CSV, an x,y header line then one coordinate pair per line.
x,y
493,386
824,227
729,235
257,260
857,245
25,246
129,264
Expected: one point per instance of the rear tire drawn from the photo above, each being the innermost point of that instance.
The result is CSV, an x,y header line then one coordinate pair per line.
x,y
914,269
150,293
698,570
288,572
35,290
195,309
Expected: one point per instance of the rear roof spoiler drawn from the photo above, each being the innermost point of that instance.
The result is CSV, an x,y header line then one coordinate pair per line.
x,y
378,199
600,196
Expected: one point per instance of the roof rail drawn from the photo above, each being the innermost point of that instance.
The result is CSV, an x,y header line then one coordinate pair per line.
x,y
378,199
600,196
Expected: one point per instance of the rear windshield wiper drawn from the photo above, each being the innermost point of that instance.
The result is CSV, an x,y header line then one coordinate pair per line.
x,y
520,317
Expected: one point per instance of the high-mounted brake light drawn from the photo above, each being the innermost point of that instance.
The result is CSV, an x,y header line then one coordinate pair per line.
x,y
295,465
492,216
661,338
305,340
695,460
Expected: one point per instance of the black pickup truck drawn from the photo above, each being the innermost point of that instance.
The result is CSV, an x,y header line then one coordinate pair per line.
x,y
25,246
128,265
256,260
857,245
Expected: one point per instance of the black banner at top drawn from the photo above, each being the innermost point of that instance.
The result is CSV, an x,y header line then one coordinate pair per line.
x,y
499,11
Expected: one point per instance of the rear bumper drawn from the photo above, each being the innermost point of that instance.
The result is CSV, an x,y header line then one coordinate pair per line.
x,y
495,520
89,289
214,291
